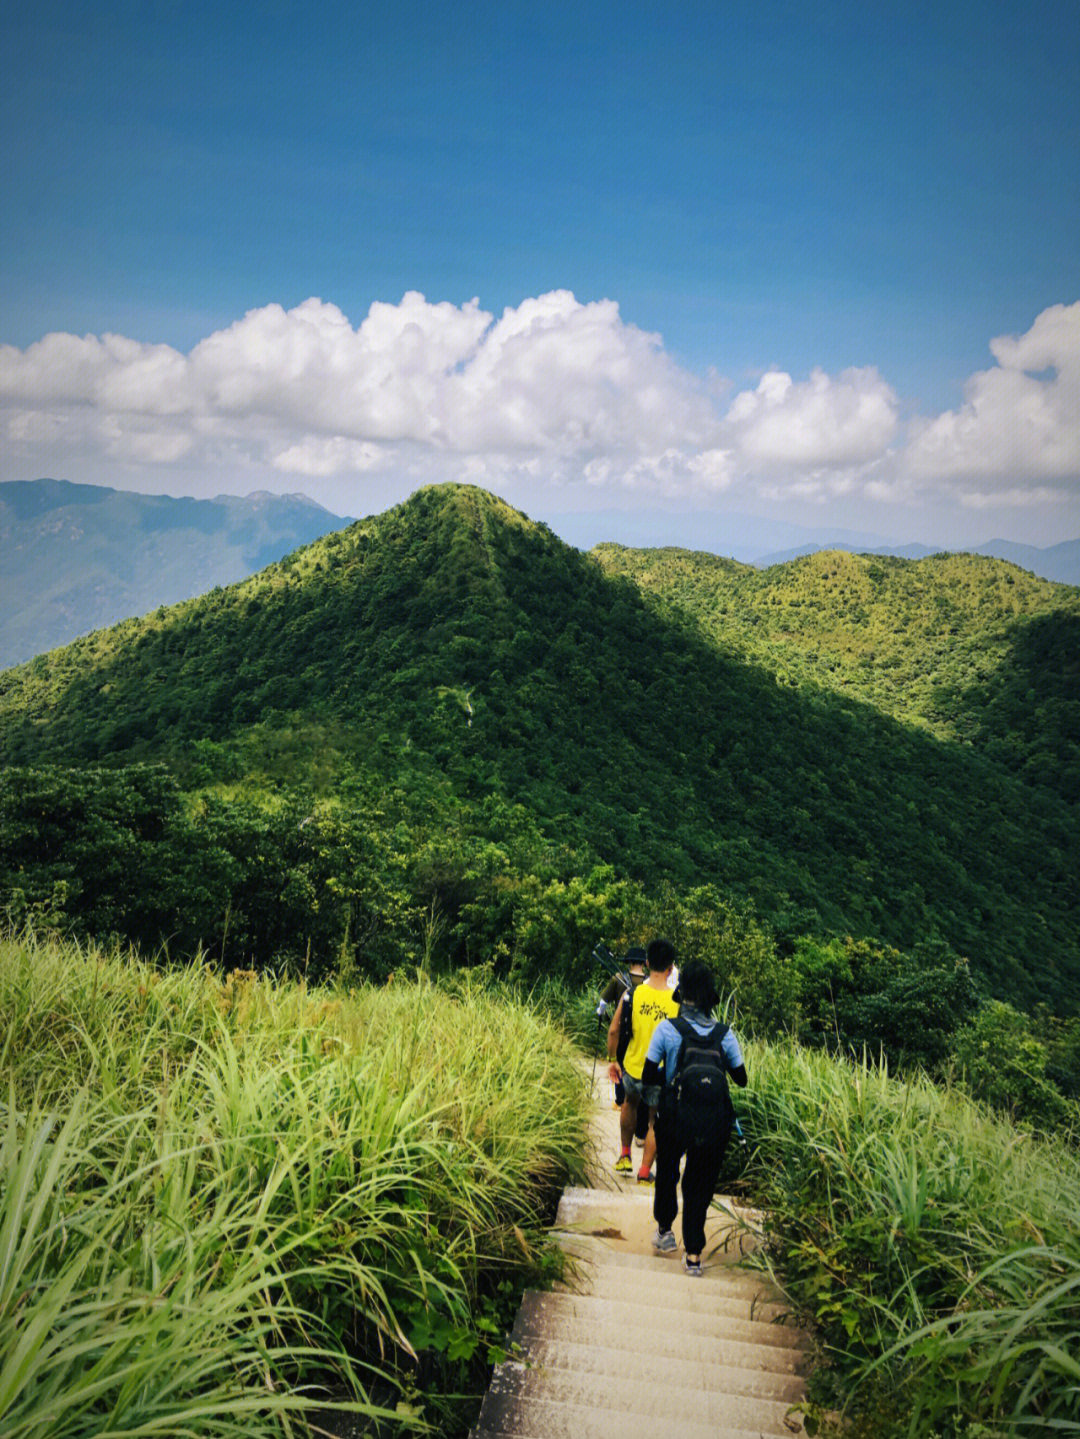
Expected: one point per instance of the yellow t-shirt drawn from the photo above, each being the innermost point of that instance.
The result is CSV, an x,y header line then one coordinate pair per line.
x,y
650,1007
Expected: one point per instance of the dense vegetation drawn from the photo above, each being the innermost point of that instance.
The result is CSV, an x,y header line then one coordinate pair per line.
x,y
427,735
969,648
441,741
228,1202
936,1249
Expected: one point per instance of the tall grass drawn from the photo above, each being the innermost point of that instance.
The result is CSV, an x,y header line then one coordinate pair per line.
x,y
935,1246
225,1205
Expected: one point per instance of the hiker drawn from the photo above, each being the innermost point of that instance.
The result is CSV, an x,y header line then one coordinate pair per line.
x,y
650,1003
616,988
694,1053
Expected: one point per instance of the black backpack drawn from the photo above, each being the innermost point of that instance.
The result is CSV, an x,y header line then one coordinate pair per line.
x,y
626,1017
701,1106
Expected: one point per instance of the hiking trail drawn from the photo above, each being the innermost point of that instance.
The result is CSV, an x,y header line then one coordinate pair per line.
x,y
629,1342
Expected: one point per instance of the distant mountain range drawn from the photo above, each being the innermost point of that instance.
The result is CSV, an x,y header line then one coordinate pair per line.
x,y
755,541
76,558
1056,562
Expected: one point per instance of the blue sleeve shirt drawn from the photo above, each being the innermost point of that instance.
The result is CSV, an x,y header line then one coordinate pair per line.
x,y
667,1041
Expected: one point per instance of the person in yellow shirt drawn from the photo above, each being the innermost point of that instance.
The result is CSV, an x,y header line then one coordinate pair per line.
x,y
652,1001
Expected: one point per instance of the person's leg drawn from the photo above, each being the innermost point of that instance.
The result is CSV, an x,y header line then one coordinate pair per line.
x,y
700,1175
641,1128
627,1118
627,1121
648,1154
665,1198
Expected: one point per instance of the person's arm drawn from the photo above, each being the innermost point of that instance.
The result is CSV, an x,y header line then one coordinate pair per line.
x,y
614,1069
733,1055
655,1059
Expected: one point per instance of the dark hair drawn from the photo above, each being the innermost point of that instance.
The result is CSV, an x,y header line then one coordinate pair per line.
x,y
697,986
660,955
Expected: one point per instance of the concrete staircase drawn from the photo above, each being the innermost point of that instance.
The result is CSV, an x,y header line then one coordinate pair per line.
x,y
631,1343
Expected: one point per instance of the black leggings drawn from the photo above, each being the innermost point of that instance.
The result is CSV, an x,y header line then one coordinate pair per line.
x,y
701,1173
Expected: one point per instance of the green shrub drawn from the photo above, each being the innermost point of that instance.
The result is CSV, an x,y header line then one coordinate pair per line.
x,y
1003,1064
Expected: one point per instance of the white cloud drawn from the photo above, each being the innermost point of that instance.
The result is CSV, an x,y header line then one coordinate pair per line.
x,y
821,424
553,392
552,381
318,456
1017,434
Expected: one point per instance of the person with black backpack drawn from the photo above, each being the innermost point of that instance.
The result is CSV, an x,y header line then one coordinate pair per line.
x,y
625,981
693,1054
648,1004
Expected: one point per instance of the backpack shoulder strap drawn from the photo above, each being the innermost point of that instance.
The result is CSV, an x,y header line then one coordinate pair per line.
x,y
713,1040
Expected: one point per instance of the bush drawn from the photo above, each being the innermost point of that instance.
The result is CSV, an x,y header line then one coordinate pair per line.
x,y
1002,1063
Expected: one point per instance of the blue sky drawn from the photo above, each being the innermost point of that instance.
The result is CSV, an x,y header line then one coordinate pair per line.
x,y
868,195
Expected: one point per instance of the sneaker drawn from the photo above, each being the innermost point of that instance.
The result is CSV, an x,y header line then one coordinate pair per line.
x,y
664,1242
639,1143
692,1266
623,1164
645,1176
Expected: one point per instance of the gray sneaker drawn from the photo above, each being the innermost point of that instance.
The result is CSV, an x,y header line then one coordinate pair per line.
x,y
692,1267
663,1241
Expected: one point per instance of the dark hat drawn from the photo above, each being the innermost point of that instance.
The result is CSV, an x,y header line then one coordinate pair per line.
x,y
635,955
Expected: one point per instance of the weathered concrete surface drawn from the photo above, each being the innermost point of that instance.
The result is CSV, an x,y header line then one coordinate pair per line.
x,y
631,1342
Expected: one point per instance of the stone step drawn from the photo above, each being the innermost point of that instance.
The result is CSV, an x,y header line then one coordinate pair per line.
x,y
723,1371
582,1406
594,1259
710,1365
594,1264
672,1329
555,1421
669,1287
625,1222
700,1348
575,1195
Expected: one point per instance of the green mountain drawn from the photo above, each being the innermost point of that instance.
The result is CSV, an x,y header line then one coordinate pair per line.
x,y
78,557
488,698
968,648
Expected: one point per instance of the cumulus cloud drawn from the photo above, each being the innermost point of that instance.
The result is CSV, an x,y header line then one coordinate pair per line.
x,y
552,392
1016,437
824,423
303,391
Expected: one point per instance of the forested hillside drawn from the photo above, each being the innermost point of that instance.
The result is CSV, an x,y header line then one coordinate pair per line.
x,y
966,647
424,733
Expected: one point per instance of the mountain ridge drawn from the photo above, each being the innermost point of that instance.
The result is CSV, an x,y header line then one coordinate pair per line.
x,y
80,557
459,642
